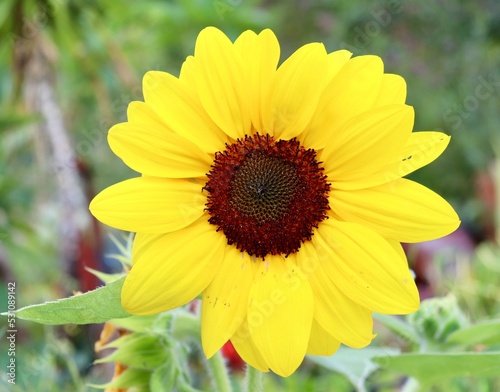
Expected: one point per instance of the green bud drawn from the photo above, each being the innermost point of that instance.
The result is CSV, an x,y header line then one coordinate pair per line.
x,y
137,350
136,378
437,318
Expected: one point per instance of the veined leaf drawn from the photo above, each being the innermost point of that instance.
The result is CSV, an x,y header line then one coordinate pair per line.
x,y
430,368
355,364
487,332
93,307
398,326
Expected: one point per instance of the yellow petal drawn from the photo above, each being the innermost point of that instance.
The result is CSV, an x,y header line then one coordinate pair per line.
x,y
246,348
141,113
366,268
222,83
150,204
366,143
157,151
297,86
398,248
420,149
319,129
260,54
244,44
225,301
336,61
392,91
321,342
352,91
401,210
176,105
280,314
355,87
188,74
172,269
342,318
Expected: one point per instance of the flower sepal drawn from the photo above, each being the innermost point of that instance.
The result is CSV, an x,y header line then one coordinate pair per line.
x,y
160,350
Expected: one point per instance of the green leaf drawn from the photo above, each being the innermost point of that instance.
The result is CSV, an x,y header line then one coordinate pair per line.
x,y
93,307
163,378
136,323
140,351
129,339
430,368
103,276
355,364
128,379
398,326
484,333
185,326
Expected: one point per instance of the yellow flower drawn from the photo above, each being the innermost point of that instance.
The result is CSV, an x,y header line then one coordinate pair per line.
x,y
277,192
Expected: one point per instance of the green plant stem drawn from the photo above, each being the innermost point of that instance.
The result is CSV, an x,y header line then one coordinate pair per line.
x,y
254,380
186,327
220,376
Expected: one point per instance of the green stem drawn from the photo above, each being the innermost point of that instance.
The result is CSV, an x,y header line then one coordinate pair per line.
x,y
186,327
219,372
254,380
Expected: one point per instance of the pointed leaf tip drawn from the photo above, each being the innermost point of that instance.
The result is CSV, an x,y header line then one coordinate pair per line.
x,y
93,307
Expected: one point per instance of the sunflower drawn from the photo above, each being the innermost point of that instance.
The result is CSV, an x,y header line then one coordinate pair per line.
x,y
277,194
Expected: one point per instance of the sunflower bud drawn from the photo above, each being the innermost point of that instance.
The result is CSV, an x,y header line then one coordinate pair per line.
x,y
437,318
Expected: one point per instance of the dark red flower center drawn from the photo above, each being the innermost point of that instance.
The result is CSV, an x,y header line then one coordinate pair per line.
x,y
266,196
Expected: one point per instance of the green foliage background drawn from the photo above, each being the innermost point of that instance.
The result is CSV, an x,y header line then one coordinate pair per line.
x,y
448,51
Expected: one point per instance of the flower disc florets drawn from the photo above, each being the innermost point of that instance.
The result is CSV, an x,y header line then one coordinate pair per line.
x,y
267,196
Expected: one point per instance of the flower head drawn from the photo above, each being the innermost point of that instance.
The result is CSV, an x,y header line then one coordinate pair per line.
x,y
277,192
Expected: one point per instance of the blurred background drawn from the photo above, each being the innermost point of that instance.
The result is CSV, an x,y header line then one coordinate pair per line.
x,y
69,68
